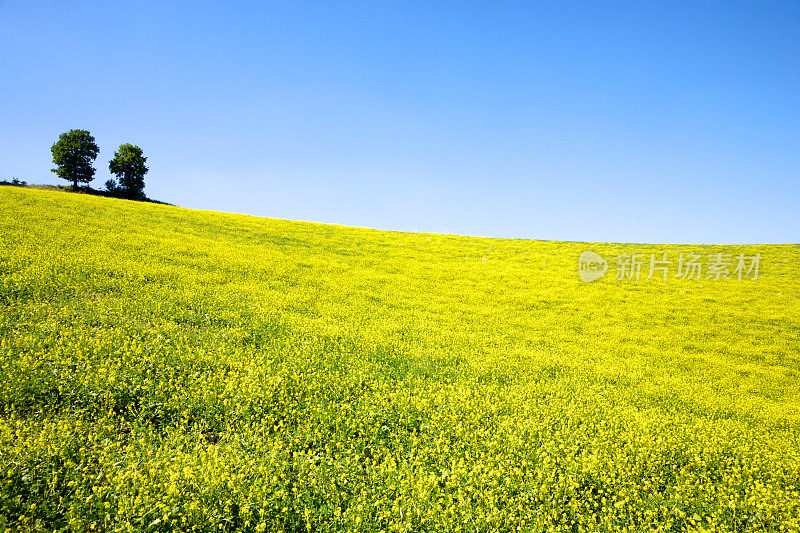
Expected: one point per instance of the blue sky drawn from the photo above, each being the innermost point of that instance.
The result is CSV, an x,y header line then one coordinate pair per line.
x,y
631,121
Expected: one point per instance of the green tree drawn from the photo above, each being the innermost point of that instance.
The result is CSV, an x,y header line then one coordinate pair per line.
x,y
128,167
73,155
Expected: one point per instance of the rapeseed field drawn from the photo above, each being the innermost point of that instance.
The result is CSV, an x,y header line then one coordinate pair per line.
x,y
164,369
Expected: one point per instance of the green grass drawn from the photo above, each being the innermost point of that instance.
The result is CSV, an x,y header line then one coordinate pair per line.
x,y
167,369
86,189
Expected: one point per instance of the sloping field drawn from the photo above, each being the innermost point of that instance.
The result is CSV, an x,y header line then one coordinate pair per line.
x,y
167,369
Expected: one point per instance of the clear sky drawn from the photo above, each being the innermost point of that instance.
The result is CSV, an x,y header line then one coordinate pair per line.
x,y
631,121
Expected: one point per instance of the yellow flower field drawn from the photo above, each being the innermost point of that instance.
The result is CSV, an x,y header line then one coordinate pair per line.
x,y
164,369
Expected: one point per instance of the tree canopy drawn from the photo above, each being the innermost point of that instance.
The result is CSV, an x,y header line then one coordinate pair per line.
x,y
73,155
129,167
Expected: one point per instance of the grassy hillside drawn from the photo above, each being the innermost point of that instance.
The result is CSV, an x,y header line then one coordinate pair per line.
x,y
163,369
